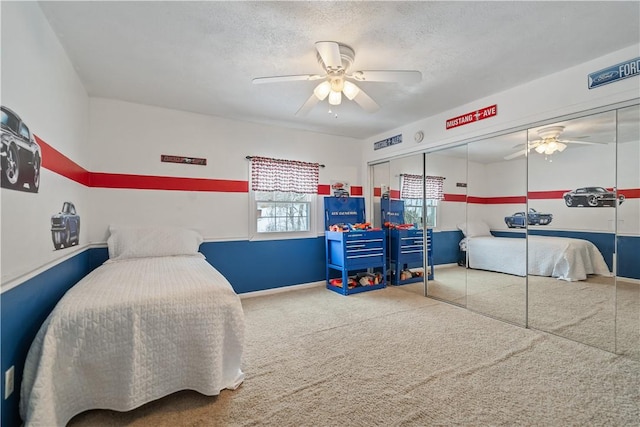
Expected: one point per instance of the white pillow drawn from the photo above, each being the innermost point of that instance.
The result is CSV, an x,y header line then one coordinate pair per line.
x,y
140,242
475,228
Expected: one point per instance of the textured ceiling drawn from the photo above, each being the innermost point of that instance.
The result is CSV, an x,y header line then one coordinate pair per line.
x,y
202,56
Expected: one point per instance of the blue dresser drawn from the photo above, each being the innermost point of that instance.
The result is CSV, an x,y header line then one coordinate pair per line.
x,y
359,256
406,246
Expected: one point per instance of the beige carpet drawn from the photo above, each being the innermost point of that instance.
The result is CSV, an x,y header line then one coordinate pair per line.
x,y
596,311
391,357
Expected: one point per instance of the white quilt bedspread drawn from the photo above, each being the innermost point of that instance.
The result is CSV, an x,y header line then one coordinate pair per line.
x,y
133,331
560,257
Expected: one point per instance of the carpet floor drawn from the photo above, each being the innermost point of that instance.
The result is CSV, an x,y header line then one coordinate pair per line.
x,y
392,357
598,311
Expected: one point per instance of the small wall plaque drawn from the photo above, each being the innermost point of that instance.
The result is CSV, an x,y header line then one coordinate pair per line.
x,y
387,142
181,159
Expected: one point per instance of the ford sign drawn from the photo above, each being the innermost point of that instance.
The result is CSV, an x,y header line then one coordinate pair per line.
x,y
614,73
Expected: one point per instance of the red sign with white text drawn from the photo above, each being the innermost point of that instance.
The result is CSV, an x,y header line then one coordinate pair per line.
x,y
474,116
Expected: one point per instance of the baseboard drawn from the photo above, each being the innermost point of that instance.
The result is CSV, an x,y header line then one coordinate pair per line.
x,y
628,280
453,264
281,289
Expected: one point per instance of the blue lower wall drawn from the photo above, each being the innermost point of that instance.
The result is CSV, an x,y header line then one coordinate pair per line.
x,y
629,256
24,308
258,265
445,246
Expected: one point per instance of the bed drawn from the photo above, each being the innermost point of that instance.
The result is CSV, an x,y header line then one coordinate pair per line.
x,y
154,319
563,258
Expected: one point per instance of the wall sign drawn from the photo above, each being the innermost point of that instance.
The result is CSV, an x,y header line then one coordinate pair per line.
x,y
180,159
474,116
387,142
614,73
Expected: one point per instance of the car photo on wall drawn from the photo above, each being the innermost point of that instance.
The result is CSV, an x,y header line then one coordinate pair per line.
x,y
65,227
591,197
517,220
21,155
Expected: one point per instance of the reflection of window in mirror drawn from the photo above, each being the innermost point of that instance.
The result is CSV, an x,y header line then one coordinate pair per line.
x,y
413,189
414,211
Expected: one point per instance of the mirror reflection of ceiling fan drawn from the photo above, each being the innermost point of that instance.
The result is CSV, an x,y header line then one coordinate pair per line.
x,y
548,143
336,60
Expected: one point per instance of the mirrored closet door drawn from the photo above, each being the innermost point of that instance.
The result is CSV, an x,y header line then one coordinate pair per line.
x,y
541,227
572,177
496,227
449,276
628,233
406,216
380,180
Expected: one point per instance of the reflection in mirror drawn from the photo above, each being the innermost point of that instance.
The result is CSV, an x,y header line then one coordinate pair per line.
x,y
572,176
449,274
380,186
628,234
402,214
496,225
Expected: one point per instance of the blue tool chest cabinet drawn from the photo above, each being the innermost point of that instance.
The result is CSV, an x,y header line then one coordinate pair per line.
x,y
358,255
405,246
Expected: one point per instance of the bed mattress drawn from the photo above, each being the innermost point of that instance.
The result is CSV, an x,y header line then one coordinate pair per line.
x,y
133,331
560,257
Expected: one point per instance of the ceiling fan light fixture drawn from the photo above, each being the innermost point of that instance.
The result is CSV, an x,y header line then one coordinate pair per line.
x,y
541,148
350,90
335,98
322,90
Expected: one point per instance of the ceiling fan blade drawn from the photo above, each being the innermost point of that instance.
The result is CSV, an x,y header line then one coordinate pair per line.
x,y
516,154
308,106
330,54
400,76
365,101
581,142
278,79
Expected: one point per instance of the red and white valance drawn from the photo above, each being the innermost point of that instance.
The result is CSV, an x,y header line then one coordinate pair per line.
x,y
289,176
411,187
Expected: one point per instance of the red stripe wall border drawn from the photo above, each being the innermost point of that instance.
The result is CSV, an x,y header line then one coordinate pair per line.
x,y
150,182
57,162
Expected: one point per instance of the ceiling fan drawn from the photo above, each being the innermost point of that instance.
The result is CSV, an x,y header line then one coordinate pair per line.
x,y
336,60
548,143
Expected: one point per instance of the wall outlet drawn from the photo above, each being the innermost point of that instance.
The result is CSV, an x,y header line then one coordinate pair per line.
x,y
8,382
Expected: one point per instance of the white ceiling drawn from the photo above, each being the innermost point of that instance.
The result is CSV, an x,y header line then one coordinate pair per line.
x,y
202,56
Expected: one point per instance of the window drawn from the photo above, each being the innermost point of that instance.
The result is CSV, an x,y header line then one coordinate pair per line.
x,y
283,194
412,191
282,212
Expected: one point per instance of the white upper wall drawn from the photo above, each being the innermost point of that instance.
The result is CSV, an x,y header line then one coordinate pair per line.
x,y
129,138
40,84
558,94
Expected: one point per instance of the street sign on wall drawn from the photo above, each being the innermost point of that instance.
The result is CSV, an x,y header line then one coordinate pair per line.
x,y
614,73
474,116
387,142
